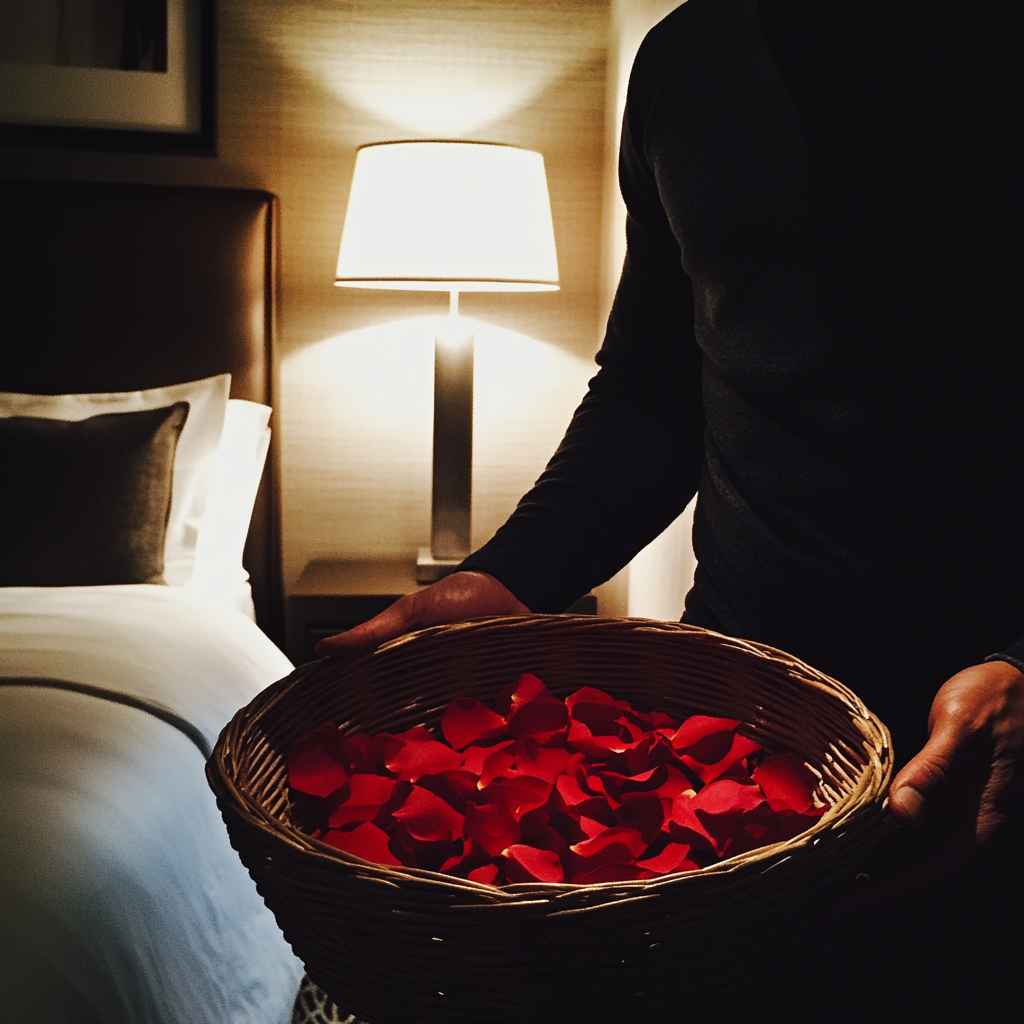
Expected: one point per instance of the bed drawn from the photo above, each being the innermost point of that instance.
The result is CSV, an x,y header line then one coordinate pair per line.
x,y
131,585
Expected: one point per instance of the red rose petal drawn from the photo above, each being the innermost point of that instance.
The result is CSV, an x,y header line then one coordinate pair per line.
x,y
366,841
367,795
419,853
743,746
500,764
662,752
468,721
491,826
591,827
618,853
429,818
596,748
642,811
610,844
422,757
787,783
365,754
711,749
536,831
526,688
545,763
592,782
616,785
451,864
371,789
570,791
722,828
675,857
726,796
685,827
636,758
604,720
528,864
675,784
532,711
486,874
458,788
737,748
597,808
789,825
476,757
751,837
540,719
567,828
315,773
470,857
384,819
696,727
660,722
315,762
718,807
578,785
589,695
613,871
520,794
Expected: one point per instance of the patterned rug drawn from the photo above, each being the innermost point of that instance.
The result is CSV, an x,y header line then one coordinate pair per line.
x,y
314,1006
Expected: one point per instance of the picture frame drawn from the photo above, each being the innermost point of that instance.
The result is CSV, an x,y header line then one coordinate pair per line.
x,y
50,96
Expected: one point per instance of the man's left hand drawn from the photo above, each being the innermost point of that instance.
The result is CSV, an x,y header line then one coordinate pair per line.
x,y
968,777
956,799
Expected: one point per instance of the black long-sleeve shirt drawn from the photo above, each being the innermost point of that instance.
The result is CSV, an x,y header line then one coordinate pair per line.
x,y
817,330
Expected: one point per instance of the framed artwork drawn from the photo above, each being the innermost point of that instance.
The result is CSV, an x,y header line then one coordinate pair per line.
x,y
108,74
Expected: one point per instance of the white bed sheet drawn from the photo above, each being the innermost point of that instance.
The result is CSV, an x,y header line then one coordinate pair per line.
x,y
122,898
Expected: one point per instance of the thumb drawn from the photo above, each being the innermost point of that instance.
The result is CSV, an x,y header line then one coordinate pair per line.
x,y
392,622
921,785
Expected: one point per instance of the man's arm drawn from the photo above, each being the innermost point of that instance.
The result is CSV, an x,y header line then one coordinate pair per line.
x,y
632,456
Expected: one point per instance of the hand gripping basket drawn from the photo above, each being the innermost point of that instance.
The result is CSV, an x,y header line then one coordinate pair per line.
x,y
406,946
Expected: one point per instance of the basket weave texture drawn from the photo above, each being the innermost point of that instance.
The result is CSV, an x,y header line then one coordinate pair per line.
x,y
400,945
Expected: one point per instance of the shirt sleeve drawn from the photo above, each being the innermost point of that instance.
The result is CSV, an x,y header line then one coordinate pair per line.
x,y
1014,655
632,455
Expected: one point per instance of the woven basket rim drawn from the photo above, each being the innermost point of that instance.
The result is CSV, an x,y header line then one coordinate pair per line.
x,y
767,856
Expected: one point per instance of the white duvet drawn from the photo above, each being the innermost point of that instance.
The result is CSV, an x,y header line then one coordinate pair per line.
x,y
122,900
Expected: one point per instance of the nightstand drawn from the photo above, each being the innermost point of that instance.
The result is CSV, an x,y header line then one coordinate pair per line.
x,y
332,596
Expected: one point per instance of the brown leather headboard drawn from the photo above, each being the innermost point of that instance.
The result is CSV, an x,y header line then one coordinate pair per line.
x,y
121,287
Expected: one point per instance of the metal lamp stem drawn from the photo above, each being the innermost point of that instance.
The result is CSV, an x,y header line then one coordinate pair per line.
x,y
453,451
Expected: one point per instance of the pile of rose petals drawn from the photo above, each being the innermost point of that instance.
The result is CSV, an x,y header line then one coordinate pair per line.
x,y
544,790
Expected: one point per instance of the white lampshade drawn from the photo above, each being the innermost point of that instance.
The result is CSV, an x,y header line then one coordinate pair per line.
x,y
448,216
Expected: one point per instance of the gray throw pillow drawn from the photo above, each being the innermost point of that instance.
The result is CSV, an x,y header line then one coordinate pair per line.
x,y
86,502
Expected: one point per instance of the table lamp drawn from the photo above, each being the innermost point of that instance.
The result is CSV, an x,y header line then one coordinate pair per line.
x,y
454,217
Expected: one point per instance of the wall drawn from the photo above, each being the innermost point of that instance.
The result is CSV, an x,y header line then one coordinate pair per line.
x,y
302,84
655,583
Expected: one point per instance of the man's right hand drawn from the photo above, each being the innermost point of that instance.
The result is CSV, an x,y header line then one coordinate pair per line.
x,y
462,595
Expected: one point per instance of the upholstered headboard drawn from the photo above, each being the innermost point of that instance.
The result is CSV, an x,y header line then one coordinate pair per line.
x,y
123,287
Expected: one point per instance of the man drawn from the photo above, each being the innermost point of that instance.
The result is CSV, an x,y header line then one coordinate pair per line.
x,y
816,330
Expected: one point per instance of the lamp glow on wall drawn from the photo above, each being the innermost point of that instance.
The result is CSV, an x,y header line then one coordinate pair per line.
x,y
454,217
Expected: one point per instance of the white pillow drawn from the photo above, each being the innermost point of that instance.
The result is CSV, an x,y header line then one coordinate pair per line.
x,y
193,461
218,575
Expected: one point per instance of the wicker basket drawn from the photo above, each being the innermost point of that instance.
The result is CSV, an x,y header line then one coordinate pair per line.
x,y
408,946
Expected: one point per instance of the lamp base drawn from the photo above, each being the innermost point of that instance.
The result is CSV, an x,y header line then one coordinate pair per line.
x,y
430,569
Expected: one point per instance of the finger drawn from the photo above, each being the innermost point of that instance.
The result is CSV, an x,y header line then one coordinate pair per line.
x,y
920,786
462,595
393,622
